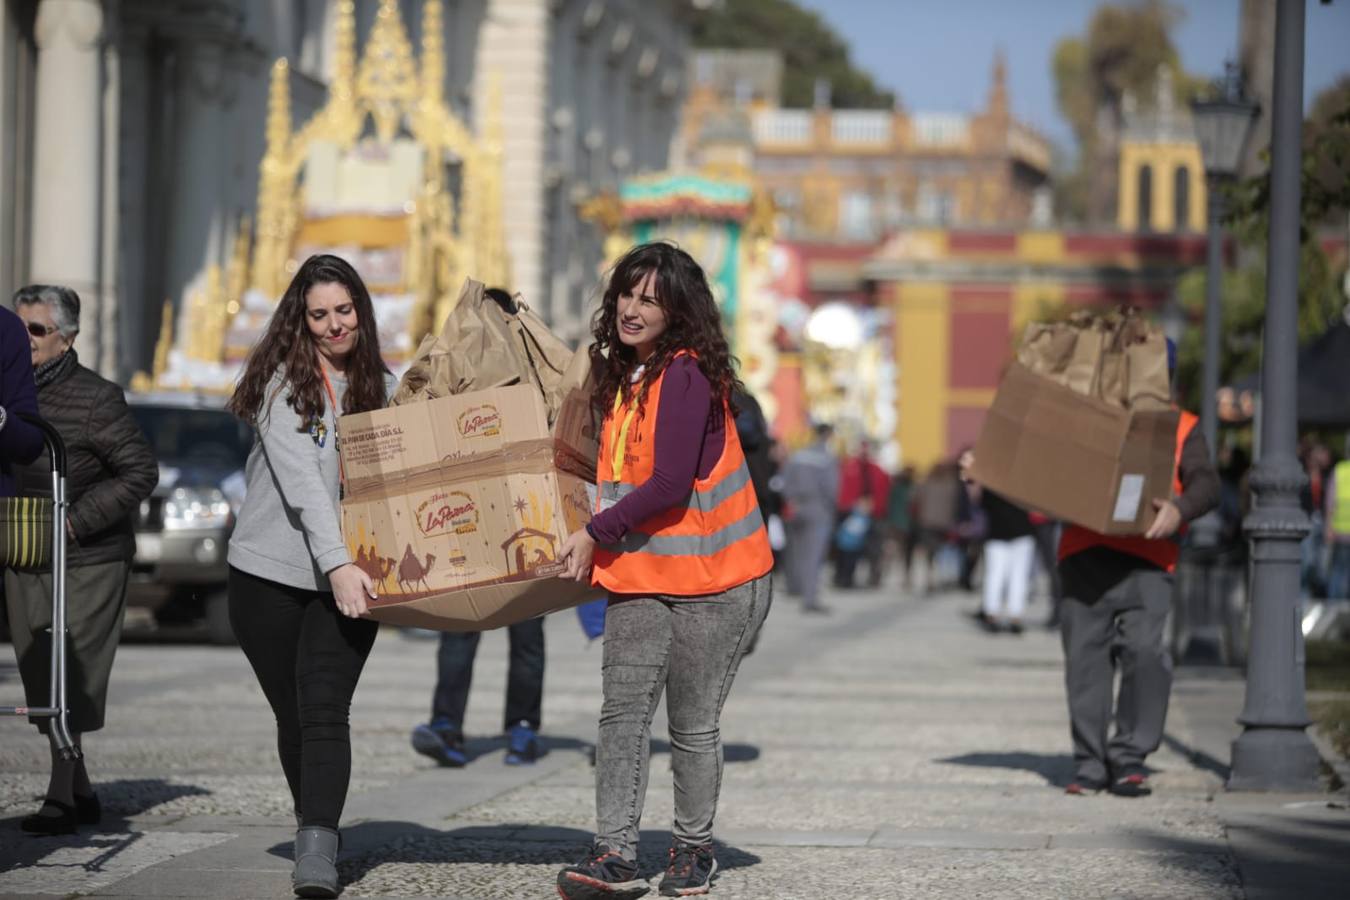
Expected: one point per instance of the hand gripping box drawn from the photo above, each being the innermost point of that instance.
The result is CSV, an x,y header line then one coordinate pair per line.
x,y
1075,457
457,507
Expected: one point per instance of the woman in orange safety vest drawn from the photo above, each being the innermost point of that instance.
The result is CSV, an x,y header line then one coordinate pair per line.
x,y
678,541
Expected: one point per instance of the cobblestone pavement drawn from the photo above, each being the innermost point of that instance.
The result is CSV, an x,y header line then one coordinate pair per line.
x,y
889,750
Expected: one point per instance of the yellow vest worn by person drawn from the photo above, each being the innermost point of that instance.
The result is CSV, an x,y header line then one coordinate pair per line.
x,y
1340,509
709,543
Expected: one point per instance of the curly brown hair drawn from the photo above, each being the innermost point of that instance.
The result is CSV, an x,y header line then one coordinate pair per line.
x,y
288,345
693,323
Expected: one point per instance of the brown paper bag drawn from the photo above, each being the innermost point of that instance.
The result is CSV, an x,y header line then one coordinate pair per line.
x,y
481,346
1118,357
1149,383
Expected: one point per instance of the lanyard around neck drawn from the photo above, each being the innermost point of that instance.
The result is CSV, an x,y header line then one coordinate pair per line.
x,y
616,464
332,404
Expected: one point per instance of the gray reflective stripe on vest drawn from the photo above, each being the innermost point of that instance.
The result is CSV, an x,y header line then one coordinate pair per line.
x,y
693,544
704,500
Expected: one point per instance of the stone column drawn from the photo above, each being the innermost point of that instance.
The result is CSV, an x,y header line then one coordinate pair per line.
x,y
514,44
198,201
67,175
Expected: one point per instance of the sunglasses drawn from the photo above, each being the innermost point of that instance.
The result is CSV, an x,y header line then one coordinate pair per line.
x,y
37,329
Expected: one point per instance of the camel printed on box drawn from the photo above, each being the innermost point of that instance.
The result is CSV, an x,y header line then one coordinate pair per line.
x,y
412,571
376,566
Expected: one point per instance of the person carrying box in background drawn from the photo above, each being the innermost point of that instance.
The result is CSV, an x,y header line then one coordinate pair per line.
x,y
1117,596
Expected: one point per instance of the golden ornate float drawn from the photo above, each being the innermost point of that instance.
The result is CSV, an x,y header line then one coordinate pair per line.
x,y
384,175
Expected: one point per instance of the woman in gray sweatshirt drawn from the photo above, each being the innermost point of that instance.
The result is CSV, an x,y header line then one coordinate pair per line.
x,y
296,598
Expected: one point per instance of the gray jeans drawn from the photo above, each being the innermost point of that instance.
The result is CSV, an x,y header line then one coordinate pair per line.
x,y
689,648
1123,629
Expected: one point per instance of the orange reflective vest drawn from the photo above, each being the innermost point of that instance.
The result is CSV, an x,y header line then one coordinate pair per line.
x,y
1162,553
710,543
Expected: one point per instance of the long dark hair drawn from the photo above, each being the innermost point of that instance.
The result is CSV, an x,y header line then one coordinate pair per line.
x,y
693,322
289,346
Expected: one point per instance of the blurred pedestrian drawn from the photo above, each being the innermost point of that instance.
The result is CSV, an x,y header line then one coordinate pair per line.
x,y
940,496
901,522
110,469
1234,465
681,547
1009,550
1338,531
1117,597
442,738
810,488
972,525
758,445
296,596
864,488
1315,496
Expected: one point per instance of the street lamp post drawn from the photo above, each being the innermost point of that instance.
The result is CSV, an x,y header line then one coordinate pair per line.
x,y
1274,751
1223,125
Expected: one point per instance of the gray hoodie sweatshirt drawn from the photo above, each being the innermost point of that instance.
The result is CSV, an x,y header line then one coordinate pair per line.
x,y
289,528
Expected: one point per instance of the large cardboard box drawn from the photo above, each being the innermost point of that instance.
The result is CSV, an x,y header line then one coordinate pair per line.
x,y
1075,457
457,506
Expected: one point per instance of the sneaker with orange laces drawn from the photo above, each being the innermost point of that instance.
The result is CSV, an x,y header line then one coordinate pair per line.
x,y
601,873
689,871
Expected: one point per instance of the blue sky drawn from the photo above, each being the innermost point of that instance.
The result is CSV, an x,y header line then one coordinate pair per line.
x,y
937,56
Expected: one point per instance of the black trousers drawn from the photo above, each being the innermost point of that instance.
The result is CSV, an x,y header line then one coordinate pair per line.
x,y
307,657
524,679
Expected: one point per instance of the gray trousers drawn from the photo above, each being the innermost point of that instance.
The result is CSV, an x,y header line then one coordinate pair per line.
x,y
1123,628
808,546
689,648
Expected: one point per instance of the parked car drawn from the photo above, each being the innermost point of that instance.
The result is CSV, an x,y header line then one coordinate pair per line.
x,y
183,529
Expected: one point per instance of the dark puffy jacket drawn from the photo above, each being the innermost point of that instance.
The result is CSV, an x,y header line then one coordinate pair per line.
x,y
110,466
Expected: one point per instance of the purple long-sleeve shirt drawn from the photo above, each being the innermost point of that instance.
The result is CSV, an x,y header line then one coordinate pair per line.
x,y
687,447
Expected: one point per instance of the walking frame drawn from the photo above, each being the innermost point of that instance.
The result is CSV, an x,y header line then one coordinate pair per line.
x,y
27,550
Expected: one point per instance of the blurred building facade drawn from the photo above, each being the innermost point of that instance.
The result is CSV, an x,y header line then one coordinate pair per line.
x,y
1161,172
937,231
131,133
857,174
962,298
